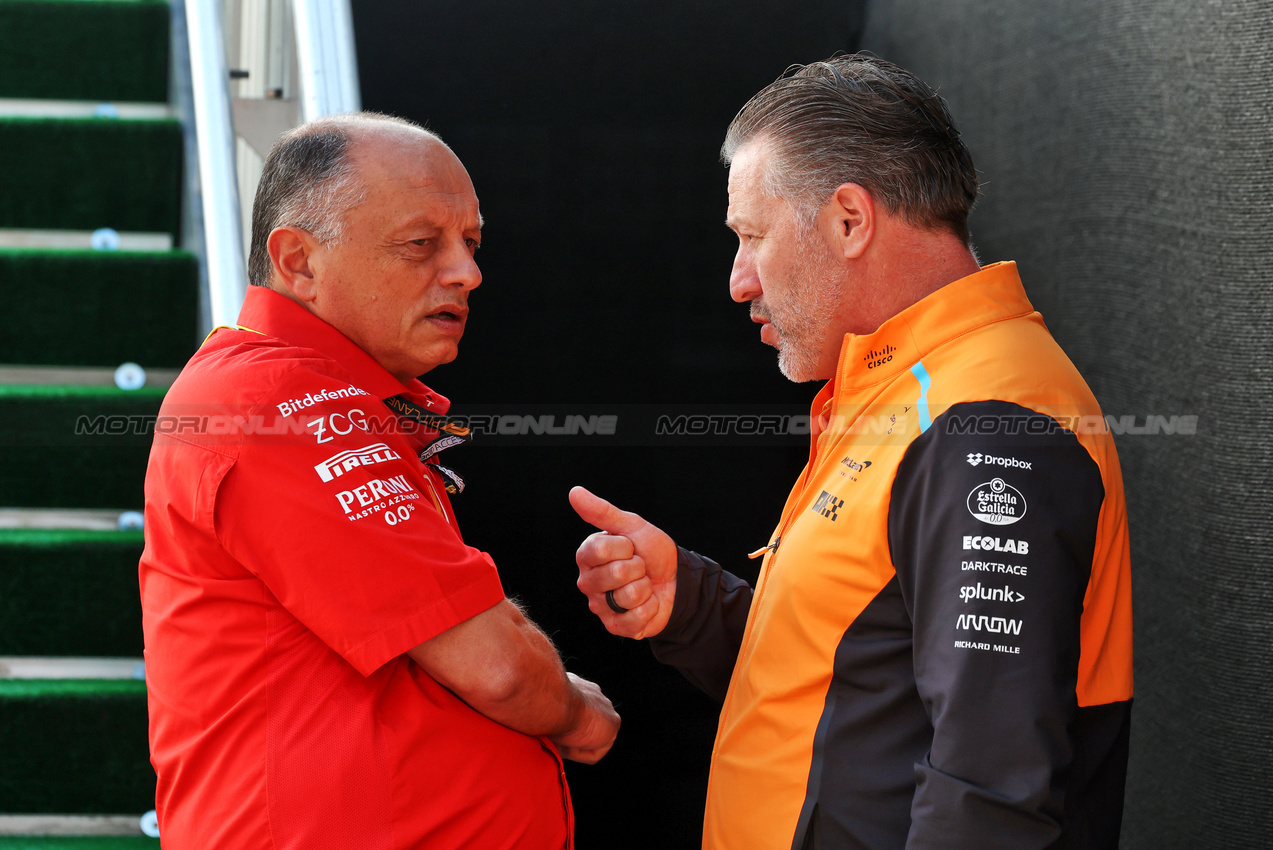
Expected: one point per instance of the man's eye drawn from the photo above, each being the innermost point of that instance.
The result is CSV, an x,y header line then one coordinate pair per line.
x,y
421,241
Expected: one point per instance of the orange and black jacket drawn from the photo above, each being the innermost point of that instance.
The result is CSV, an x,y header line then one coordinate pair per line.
x,y
937,652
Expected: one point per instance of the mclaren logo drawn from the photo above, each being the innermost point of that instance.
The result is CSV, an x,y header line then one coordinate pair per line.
x,y
337,465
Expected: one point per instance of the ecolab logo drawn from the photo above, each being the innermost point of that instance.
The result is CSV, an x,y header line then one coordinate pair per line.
x,y
337,465
982,623
294,405
976,458
994,544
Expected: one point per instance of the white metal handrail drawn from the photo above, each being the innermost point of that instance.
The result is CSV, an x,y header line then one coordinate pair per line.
x,y
326,57
214,129
328,84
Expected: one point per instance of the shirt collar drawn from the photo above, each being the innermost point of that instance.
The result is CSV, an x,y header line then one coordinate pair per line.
x,y
273,314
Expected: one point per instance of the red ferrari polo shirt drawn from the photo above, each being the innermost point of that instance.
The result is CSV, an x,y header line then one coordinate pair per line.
x,y
296,548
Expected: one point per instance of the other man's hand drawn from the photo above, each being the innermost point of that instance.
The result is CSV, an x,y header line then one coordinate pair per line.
x,y
632,558
595,729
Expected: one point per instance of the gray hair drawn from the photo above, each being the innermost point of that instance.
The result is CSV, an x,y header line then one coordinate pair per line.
x,y
309,181
860,119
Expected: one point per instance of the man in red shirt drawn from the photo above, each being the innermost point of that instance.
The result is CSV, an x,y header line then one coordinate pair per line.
x,y
328,663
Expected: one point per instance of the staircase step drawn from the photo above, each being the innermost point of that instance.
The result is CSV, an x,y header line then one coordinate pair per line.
x,y
99,308
100,842
47,464
88,173
84,50
19,107
84,376
46,667
63,240
85,519
31,826
74,745
70,593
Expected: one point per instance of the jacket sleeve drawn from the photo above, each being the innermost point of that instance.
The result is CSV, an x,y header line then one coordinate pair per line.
x,y
992,530
703,634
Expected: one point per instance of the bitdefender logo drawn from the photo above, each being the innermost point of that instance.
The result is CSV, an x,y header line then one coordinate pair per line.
x,y
337,465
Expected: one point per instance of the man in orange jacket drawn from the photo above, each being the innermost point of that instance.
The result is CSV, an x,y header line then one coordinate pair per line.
x,y
937,652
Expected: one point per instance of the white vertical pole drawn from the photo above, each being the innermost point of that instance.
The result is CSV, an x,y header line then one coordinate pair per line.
x,y
223,237
325,54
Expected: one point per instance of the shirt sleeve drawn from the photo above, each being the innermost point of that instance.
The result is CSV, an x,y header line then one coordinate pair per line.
x,y
705,630
992,529
346,529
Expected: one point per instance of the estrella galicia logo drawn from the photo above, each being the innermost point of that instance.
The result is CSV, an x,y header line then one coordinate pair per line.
x,y
974,458
827,505
996,502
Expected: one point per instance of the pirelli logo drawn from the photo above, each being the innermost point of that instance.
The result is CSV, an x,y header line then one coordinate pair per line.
x,y
337,465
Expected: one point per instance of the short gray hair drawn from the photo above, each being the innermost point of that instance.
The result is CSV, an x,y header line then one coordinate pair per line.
x,y
860,119
309,181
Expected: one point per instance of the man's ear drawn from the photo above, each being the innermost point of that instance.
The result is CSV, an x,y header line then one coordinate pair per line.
x,y
852,211
290,250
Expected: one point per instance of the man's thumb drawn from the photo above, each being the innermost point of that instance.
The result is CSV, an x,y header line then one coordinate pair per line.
x,y
595,510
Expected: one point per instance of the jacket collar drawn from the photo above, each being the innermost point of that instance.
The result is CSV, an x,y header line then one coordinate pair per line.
x,y
990,295
275,315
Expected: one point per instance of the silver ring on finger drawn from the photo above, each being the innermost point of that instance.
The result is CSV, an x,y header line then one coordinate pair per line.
x,y
614,606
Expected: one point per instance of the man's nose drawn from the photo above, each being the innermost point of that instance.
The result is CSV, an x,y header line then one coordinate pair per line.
x,y
744,283
462,270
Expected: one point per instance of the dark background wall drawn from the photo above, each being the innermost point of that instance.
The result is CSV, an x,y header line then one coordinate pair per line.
x,y
1124,149
591,131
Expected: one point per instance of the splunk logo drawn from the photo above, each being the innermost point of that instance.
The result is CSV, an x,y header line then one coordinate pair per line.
x,y
969,592
994,625
338,464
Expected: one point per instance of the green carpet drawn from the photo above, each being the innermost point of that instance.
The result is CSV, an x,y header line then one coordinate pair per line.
x,y
65,843
99,308
49,465
84,50
86,173
74,746
69,593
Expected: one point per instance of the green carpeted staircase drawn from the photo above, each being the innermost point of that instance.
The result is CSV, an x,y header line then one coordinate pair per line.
x,y
87,143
